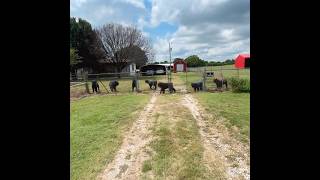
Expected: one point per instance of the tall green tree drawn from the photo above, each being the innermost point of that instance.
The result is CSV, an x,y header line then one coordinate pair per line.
x,y
86,41
74,58
194,61
80,32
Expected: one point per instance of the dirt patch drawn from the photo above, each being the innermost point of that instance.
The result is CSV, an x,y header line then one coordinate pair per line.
x,y
216,90
77,94
221,150
128,161
84,95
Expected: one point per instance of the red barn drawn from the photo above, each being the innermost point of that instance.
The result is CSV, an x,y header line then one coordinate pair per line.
x,y
242,61
179,66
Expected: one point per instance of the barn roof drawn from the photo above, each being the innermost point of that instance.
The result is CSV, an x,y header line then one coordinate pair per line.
x,y
180,61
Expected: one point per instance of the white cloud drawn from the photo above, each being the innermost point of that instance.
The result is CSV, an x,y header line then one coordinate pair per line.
x,y
74,4
161,48
165,11
103,11
136,3
142,23
227,33
210,43
230,48
212,29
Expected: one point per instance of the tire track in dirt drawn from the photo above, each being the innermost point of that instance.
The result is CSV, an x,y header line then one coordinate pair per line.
x,y
128,161
221,150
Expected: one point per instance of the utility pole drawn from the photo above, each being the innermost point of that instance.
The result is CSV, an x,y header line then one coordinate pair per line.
x,y
169,75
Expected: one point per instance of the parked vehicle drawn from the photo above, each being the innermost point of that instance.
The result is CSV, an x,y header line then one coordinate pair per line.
x,y
153,69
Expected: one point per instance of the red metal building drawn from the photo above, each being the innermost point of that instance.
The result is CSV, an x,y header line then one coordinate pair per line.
x,y
179,66
242,61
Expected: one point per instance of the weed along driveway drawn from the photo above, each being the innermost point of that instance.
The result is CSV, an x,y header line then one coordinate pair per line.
x,y
169,136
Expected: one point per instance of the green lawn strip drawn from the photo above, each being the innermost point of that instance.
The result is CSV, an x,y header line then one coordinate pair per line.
x,y
234,107
178,152
97,126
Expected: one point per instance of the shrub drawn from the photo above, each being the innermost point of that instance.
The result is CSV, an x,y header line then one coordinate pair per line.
x,y
239,85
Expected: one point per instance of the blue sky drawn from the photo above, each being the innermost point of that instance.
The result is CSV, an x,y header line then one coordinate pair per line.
x,y
161,30
212,29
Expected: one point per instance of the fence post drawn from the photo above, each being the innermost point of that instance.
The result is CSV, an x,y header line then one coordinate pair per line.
x,y
221,76
137,81
85,78
204,81
187,77
168,74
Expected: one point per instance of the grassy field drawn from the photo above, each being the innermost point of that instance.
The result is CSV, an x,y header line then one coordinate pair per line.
x,y
178,152
97,125
197,75
234,107
227,71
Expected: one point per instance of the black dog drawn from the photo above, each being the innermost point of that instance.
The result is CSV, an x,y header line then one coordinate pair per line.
x,y
164,86
134,84
95,86
113,85
152,83
197,86
220,83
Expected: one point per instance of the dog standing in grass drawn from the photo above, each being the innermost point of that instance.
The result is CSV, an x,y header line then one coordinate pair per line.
x,y
219,83
164,86
134,84
152,83
197,86
95,86
113,85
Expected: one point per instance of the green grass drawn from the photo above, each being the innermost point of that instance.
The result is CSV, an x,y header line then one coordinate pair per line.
x,y
191,77
177,146
197,76
97,126
234,107
226,72
146,166
98,123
